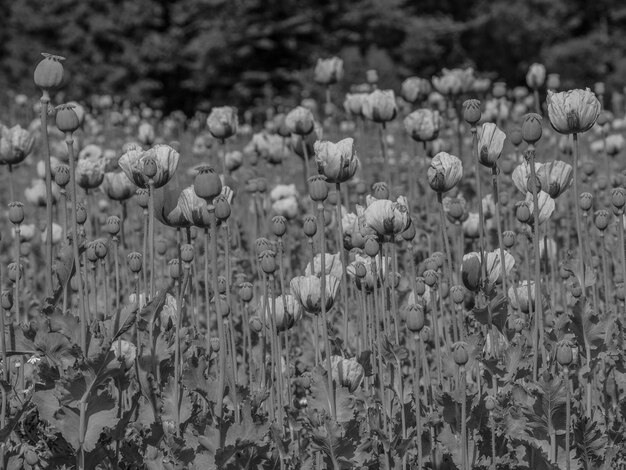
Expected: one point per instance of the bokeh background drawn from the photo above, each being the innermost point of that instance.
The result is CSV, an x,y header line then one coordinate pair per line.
x,y
189,54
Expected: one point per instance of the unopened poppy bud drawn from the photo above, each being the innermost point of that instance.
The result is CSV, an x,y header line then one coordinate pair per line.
x,y
380,190
62,175
207,184
415,317
81,214
372,246
318,189
100,247
618,197
7,300
66,118
531,128
508,238
515,136
602,219
470,272
564,353
174,269
279,225
135,261
586,201
49,72
222,207
471,112
268,261
142,198
460,353
16,212
309,226
91,252
576,290
246,292
14,272
458,294
186,253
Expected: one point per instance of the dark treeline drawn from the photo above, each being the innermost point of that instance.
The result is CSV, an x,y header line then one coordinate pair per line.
x,y
181,54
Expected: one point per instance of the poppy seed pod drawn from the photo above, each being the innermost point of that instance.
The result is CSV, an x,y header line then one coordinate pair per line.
x,y
470,273
81,214
380,190
14,272
414,317
222,207
318,189
255,323
135,262
508,239
564,352
207,183
113,225
246,292
62,175
221,285
309,225
268,261
16,212
66,119
100,247
602,219
531,128
143,196
523,212
420,286
445,172
186,253
149,167
6,299
515,136
49,72
618,197
279,225
174,269
460,353
430,277
586,201
91,252
471,112
458,294
214,343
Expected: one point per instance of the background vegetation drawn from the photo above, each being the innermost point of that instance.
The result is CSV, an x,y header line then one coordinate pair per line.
x,y
183,53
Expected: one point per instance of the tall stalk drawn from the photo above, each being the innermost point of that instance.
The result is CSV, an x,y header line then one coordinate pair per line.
x,y
43,114
218,310
342,255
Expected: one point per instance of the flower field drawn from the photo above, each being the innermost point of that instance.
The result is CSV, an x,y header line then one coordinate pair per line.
x,y
425,278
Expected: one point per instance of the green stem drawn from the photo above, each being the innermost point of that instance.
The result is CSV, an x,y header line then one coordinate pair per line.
x,y
45,99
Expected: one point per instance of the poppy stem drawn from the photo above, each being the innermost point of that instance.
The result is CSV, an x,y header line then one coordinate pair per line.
x,y
151,233
44,101
342,254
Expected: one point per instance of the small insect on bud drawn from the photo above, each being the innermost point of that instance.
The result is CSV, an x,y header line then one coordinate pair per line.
x,y
135,262
255,323
372,247
586,201
380,190
460,353
268,261
531,128
415,317
186,253
62,175
66,119
471,112
207,183
309,226
16,212
279,225
318,189
602,219
246,292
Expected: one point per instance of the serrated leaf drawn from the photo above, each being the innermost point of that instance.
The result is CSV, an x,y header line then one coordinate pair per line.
x,y
177,412
590,441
